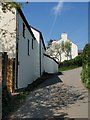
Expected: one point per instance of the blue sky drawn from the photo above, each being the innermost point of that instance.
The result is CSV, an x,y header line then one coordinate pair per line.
x,y
53,18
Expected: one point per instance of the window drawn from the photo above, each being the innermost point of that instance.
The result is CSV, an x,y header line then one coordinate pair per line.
x,y
32,43
23,30
28,48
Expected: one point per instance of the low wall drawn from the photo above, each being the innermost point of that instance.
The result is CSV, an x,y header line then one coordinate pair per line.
x,y
50,65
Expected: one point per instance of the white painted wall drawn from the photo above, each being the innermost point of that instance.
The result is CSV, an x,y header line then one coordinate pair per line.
x,y
29,65
36,34
36,53
74,48
74,52
50,65
42,58
8,24
39,51
27,70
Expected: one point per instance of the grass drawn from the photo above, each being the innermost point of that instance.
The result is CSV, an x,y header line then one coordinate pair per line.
x,y
12,102
67,68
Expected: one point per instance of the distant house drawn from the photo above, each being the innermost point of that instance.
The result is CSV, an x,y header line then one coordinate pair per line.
x,y
64,38
24,43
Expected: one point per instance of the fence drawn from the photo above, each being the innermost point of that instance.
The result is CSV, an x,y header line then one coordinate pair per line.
x,y
8,72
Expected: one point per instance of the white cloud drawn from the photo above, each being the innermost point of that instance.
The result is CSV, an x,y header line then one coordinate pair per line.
x,y
57,11
58,8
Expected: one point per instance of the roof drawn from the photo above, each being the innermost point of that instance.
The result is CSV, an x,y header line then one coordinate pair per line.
x,y
40,36
26,23
51,58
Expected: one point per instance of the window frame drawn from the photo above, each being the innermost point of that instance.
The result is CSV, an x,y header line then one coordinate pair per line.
x,y
32,43
28,48
24,30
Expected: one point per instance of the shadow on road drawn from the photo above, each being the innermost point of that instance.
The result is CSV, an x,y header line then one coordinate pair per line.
x,y
54,80
48,100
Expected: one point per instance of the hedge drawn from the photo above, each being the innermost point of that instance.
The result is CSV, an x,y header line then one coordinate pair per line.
x,y
85,74
77,61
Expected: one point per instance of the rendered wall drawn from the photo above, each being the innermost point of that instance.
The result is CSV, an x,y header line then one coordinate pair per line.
x,y
50,65
8,32
42,58
36,51
74,50
28,64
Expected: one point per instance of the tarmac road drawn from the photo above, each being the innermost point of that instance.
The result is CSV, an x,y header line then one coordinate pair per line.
x,y
60,97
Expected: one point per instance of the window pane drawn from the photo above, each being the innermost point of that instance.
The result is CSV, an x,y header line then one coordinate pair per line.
x,y
32,43
28,47
23,30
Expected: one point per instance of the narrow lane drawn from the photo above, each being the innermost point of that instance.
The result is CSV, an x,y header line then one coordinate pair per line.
x,y
57,99
80,108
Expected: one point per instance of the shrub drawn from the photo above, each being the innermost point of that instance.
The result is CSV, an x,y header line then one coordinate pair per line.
x,y
77,61
85,74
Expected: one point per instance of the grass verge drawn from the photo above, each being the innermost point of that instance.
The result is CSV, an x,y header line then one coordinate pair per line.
x,y
67,68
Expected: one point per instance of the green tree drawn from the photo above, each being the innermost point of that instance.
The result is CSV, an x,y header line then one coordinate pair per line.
x,y
9,6
57,48
85,74
5,43
67,49
63,46
58,51
50,42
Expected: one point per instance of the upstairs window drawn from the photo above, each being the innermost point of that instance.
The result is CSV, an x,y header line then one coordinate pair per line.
x,y
32,43
23,30
28,47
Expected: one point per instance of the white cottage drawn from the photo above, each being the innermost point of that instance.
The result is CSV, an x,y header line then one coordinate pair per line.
x,y
40,49
74,47
26,45
63,38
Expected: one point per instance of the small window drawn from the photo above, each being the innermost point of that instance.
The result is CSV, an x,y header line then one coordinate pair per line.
x,y
28,47
32,43
23,30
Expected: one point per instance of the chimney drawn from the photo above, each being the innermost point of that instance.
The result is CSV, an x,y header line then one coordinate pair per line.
x,y
64,36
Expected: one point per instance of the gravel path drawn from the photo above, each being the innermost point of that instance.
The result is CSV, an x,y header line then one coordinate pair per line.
x,y
59,97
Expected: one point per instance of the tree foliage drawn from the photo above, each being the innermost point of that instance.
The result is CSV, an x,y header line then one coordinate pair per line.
x,y
7,36
9,6
76,62
67,47
57,48
85,74
50,42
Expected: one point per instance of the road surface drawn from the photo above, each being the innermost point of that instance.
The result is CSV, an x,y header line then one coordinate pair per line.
x,y
60,97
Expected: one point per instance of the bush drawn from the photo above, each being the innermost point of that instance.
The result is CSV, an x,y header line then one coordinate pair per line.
x,y
85,74
76,62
